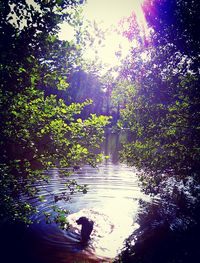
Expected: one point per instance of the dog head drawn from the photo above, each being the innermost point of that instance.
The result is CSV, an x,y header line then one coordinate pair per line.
x,y
82,220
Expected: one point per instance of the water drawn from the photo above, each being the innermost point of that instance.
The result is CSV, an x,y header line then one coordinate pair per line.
x,y
112,202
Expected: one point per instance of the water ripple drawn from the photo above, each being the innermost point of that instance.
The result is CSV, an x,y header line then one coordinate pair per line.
x,y
111,202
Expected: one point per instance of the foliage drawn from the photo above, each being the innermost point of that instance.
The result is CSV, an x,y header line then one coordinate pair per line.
x,y
86,85
163,118
175,21
163,110
39,129
162,114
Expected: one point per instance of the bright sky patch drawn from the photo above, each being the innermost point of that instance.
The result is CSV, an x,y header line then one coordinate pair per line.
x,y
107,15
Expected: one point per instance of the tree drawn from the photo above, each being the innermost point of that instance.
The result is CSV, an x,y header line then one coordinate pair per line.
x,y
86,85
38,129
175,21
162,113
163,110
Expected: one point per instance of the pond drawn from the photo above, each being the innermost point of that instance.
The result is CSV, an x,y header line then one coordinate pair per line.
x,y
163,230
112,202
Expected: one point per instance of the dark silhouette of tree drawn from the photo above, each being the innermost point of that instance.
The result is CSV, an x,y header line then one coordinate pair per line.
x,y
175,22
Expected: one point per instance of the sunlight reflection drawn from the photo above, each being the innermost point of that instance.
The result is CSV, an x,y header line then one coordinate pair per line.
x,y
67,32
113,223
113,43
107,15
110,13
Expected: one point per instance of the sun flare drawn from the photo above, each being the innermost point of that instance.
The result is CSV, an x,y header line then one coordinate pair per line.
x,y
107,15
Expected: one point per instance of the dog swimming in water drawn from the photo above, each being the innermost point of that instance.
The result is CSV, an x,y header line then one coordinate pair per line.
x,y
87,227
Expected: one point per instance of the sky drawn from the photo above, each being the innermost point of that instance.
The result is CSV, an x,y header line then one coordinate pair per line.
x,y
107,13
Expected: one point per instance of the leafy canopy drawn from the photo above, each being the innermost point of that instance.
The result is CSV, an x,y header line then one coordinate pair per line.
x,y
39,127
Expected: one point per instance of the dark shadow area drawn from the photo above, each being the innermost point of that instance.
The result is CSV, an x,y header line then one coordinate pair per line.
x,y
17,244
25,245
166,235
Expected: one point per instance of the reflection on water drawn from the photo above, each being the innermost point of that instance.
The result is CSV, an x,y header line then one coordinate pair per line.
x,y
112,202
166,231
